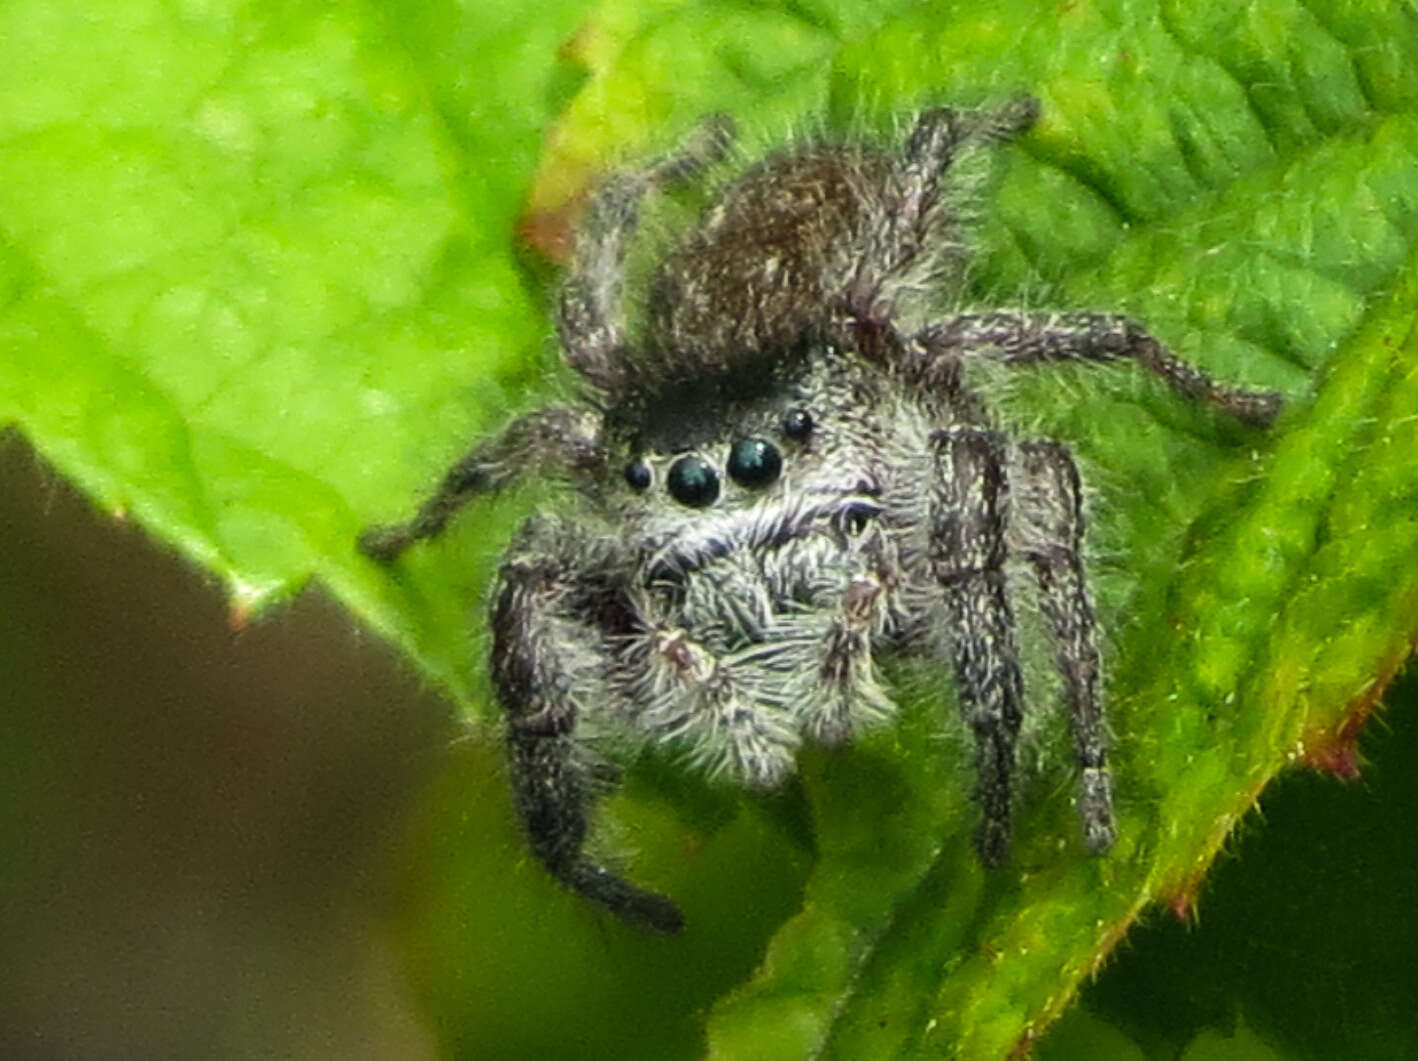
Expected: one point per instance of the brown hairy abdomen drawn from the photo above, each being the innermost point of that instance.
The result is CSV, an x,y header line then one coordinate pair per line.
x,y
754,274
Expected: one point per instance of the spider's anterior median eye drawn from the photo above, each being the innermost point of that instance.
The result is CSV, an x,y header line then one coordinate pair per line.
x,y
754,462
693,482
638,476
797,424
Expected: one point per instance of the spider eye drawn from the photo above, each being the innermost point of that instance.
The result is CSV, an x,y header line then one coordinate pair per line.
x,y
797,424
693,482
638,476
754,462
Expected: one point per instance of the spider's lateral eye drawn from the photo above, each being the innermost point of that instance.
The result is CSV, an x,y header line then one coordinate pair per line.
x,y
693,482
754,462
638,476
797,424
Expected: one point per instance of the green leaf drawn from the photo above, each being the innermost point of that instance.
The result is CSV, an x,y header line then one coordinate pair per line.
x,y
259,285
1306,932
247,246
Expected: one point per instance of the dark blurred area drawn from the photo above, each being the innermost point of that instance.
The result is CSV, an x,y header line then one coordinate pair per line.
x,y
266,839
198,823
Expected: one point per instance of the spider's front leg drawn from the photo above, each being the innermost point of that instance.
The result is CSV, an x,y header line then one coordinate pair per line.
x,y
555,438
1048,524
969,514
544,637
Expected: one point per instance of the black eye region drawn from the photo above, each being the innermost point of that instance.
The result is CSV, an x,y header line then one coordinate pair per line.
x,y
754,462
638,476
693,481
797,424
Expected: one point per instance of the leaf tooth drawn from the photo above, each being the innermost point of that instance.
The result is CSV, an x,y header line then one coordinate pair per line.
x,y
237,616
1024,1047
1182,904
1338,757
1336,751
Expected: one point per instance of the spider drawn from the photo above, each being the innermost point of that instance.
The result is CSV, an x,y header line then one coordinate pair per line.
x,y
780,477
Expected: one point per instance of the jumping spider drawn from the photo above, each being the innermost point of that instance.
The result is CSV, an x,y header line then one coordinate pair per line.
x,y
783,477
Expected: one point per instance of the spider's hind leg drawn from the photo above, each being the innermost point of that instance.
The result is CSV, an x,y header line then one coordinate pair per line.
x,y
1019,337
911,235
589,319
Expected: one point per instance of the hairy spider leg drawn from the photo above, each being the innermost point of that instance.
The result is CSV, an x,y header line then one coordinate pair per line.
x,y
1048,522
593,342
551,439
912,208
541,623
969,514
1018,337
589,316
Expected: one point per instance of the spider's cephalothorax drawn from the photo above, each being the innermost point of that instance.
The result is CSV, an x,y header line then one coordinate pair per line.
x,y
783,478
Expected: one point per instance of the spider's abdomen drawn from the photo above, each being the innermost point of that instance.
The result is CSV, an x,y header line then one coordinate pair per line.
x,y
754,276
